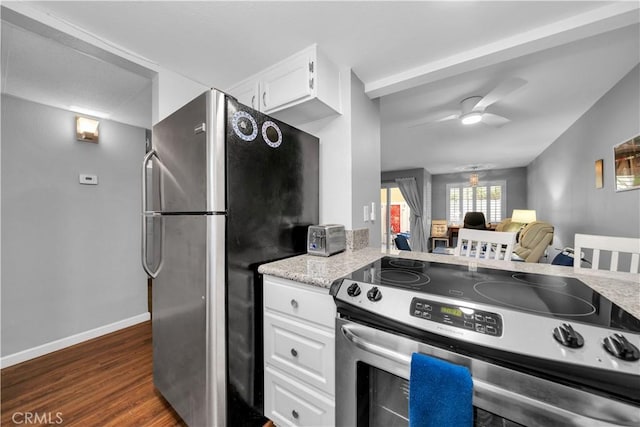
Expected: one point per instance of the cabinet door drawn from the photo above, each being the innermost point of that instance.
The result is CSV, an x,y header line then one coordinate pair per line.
x,y
301,350
288,82
247,93
289,403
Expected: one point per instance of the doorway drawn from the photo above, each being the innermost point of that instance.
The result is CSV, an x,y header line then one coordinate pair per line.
x,y
395,214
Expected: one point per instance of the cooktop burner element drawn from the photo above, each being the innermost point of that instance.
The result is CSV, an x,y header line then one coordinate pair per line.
x,y
536,299
540,280
406,263
402,278
402,273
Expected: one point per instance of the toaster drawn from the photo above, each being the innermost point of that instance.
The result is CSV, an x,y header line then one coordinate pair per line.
x,y
326,239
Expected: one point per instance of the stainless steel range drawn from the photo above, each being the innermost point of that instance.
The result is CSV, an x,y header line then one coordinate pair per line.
x,y
542,350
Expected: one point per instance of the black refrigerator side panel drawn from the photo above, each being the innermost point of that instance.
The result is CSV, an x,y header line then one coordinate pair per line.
x,y
181,159
272,198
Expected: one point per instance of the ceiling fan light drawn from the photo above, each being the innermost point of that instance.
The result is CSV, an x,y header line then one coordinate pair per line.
x,y
471,118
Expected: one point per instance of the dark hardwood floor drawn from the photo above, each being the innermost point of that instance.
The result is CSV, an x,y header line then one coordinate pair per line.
x,y
103,382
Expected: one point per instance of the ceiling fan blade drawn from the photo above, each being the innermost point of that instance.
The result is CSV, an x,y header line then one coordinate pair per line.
x,y
432,121
494,120
499,92
451,117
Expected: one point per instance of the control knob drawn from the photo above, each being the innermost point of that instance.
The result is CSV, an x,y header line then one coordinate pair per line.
x,y
567,336
620,347
354,290
374,294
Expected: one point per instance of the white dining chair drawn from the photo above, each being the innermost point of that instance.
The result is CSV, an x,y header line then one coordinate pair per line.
x,y
606,245
485,244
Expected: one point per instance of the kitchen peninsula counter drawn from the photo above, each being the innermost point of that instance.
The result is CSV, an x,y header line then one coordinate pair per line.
x,y
621,288
321,271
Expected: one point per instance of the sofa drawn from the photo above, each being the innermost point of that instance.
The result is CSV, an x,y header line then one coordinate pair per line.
x,y
534,240
508,225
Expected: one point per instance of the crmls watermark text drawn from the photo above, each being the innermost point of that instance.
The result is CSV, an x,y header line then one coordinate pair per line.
x,y
37,418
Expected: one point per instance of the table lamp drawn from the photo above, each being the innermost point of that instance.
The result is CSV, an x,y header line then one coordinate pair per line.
x,y
523,216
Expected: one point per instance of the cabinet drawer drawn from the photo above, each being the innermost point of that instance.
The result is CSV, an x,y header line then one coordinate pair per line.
x,y
303,351
308,303
288,403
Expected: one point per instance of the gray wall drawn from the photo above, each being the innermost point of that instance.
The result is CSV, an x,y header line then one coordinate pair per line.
x,y
516,179
70,252
365,159
561,180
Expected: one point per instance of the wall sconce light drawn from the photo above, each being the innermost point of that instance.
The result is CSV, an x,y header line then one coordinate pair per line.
x,y
87,129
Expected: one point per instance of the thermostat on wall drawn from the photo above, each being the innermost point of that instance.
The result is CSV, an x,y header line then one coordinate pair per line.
x,y
88,179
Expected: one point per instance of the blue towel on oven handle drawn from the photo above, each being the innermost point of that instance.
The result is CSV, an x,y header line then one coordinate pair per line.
x,y
440,393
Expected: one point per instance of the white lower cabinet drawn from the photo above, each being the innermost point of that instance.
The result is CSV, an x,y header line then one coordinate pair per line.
x,y
289,403
299,354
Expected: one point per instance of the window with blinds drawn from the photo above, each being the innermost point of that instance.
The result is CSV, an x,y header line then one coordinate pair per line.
x,y
453,210
487,197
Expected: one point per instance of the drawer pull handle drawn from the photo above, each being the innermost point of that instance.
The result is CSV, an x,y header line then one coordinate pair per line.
x,y
294,303
294,414
294,352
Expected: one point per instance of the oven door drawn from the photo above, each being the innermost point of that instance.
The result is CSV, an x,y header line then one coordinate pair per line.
x,y
372,387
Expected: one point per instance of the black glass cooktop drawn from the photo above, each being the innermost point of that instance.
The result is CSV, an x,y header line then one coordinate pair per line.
x,y
552,296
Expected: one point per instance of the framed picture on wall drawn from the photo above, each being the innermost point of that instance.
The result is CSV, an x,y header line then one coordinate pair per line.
x,y
626,157
599,175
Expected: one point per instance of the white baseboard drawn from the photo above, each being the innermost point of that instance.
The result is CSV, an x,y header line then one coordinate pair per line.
x,y
41,350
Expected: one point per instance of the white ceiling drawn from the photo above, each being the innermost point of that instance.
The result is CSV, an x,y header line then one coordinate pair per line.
x,y
562,84
45,71
422,58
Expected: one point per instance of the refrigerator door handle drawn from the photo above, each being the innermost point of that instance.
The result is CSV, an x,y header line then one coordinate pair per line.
x,y
145,162
145,265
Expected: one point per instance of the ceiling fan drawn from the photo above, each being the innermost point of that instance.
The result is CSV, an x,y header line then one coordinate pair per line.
x,y
473,108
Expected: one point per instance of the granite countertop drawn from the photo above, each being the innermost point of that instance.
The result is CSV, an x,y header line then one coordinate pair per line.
x,y
621,288
318,270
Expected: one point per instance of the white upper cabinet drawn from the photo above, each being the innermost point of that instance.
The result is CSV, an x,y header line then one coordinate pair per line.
x,y
247,93
299,89
288,82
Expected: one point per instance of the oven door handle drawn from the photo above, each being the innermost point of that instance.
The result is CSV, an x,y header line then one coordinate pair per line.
x,y
482,392
480,387
378,350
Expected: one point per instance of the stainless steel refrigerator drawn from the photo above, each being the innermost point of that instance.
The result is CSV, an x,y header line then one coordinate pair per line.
x,y
225,189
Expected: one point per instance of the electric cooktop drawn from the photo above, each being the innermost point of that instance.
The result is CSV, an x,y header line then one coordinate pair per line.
x,y
564,298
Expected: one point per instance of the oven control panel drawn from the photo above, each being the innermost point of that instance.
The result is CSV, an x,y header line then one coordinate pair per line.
x,y
480,321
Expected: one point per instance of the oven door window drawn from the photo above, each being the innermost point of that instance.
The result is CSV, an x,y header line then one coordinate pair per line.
x,y
383,401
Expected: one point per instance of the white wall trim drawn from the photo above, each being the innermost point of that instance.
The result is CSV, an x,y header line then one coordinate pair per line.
x,y
41,350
